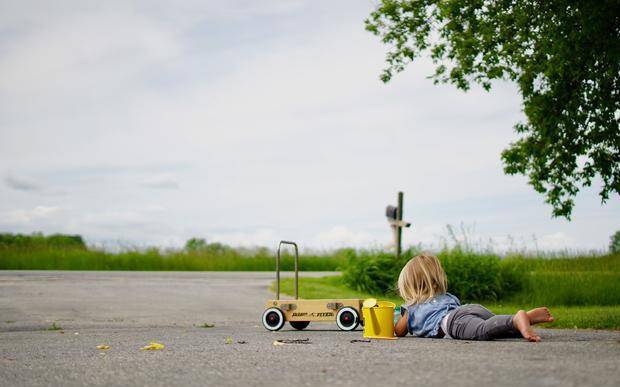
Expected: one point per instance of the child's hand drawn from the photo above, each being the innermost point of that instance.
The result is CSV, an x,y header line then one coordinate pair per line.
x,y
400,329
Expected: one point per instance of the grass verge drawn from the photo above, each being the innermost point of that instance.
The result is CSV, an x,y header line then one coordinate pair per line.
x,y
479,276
572,317
155,260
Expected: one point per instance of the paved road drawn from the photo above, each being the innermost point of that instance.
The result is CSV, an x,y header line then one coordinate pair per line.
x,y
128,309
34,300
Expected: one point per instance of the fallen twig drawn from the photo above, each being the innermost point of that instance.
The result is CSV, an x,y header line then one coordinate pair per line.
x,y
292,341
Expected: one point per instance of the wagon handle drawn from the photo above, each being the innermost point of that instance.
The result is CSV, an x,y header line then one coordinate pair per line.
x,y
278,268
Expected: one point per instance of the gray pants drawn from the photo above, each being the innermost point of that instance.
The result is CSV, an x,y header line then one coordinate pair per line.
x,y
475,322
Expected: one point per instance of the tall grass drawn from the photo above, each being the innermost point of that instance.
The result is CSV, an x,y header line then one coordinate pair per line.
x,y
471,275
567,281
154,260
564,288
610,262
477,277
69,252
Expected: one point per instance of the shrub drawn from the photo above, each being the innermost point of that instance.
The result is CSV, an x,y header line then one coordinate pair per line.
x,y
195,244
374,272
66,241
513,277
39,241
614,243
471,276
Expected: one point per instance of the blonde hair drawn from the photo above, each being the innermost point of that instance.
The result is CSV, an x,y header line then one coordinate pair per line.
x,y
421,279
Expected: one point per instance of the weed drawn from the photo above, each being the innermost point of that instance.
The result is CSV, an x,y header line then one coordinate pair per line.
x,y
54,327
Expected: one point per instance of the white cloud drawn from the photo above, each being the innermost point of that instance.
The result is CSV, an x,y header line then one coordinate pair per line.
x,y
21,184
341,236
155,208
25,184
161,182
556,241
31,215
260,237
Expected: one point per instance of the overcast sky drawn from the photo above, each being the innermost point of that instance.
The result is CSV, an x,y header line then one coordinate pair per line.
x,y
245,122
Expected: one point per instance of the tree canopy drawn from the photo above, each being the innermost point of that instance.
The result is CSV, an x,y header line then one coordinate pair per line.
x,y
563,55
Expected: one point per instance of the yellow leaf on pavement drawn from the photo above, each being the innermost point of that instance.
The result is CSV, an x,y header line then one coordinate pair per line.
x,y
153,347
103,346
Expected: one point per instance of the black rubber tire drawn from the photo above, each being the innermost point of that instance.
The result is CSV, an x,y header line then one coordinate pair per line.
x,y
273,319
299,325
347,319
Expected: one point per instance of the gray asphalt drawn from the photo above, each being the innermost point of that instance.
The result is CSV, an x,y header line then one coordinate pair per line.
x,y
127,310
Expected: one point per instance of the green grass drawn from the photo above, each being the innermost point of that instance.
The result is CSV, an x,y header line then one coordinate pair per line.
x,y
578,288
54,327
606,263
323,287
12,258
582,317
473,276
575,317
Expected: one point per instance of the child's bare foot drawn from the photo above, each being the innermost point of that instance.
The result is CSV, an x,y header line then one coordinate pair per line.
x,y
540,315
522,322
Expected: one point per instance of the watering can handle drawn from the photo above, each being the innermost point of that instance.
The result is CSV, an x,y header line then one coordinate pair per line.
x,y
278,268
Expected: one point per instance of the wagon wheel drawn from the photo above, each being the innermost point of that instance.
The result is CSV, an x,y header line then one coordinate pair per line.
x,y
273,319
299,325
347,319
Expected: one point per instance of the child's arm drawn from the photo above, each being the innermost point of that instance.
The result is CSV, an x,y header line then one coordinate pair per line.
x,y
400,329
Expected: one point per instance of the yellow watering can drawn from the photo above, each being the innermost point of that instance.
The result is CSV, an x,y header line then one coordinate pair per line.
x,y
378,319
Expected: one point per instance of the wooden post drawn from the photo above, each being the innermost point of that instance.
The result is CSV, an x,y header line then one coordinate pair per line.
x,y
399,230
395,220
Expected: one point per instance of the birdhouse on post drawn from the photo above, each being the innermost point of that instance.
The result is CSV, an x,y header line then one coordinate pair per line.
x,y
395,219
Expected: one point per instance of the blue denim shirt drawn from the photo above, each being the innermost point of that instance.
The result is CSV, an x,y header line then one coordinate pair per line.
x,y
424,319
